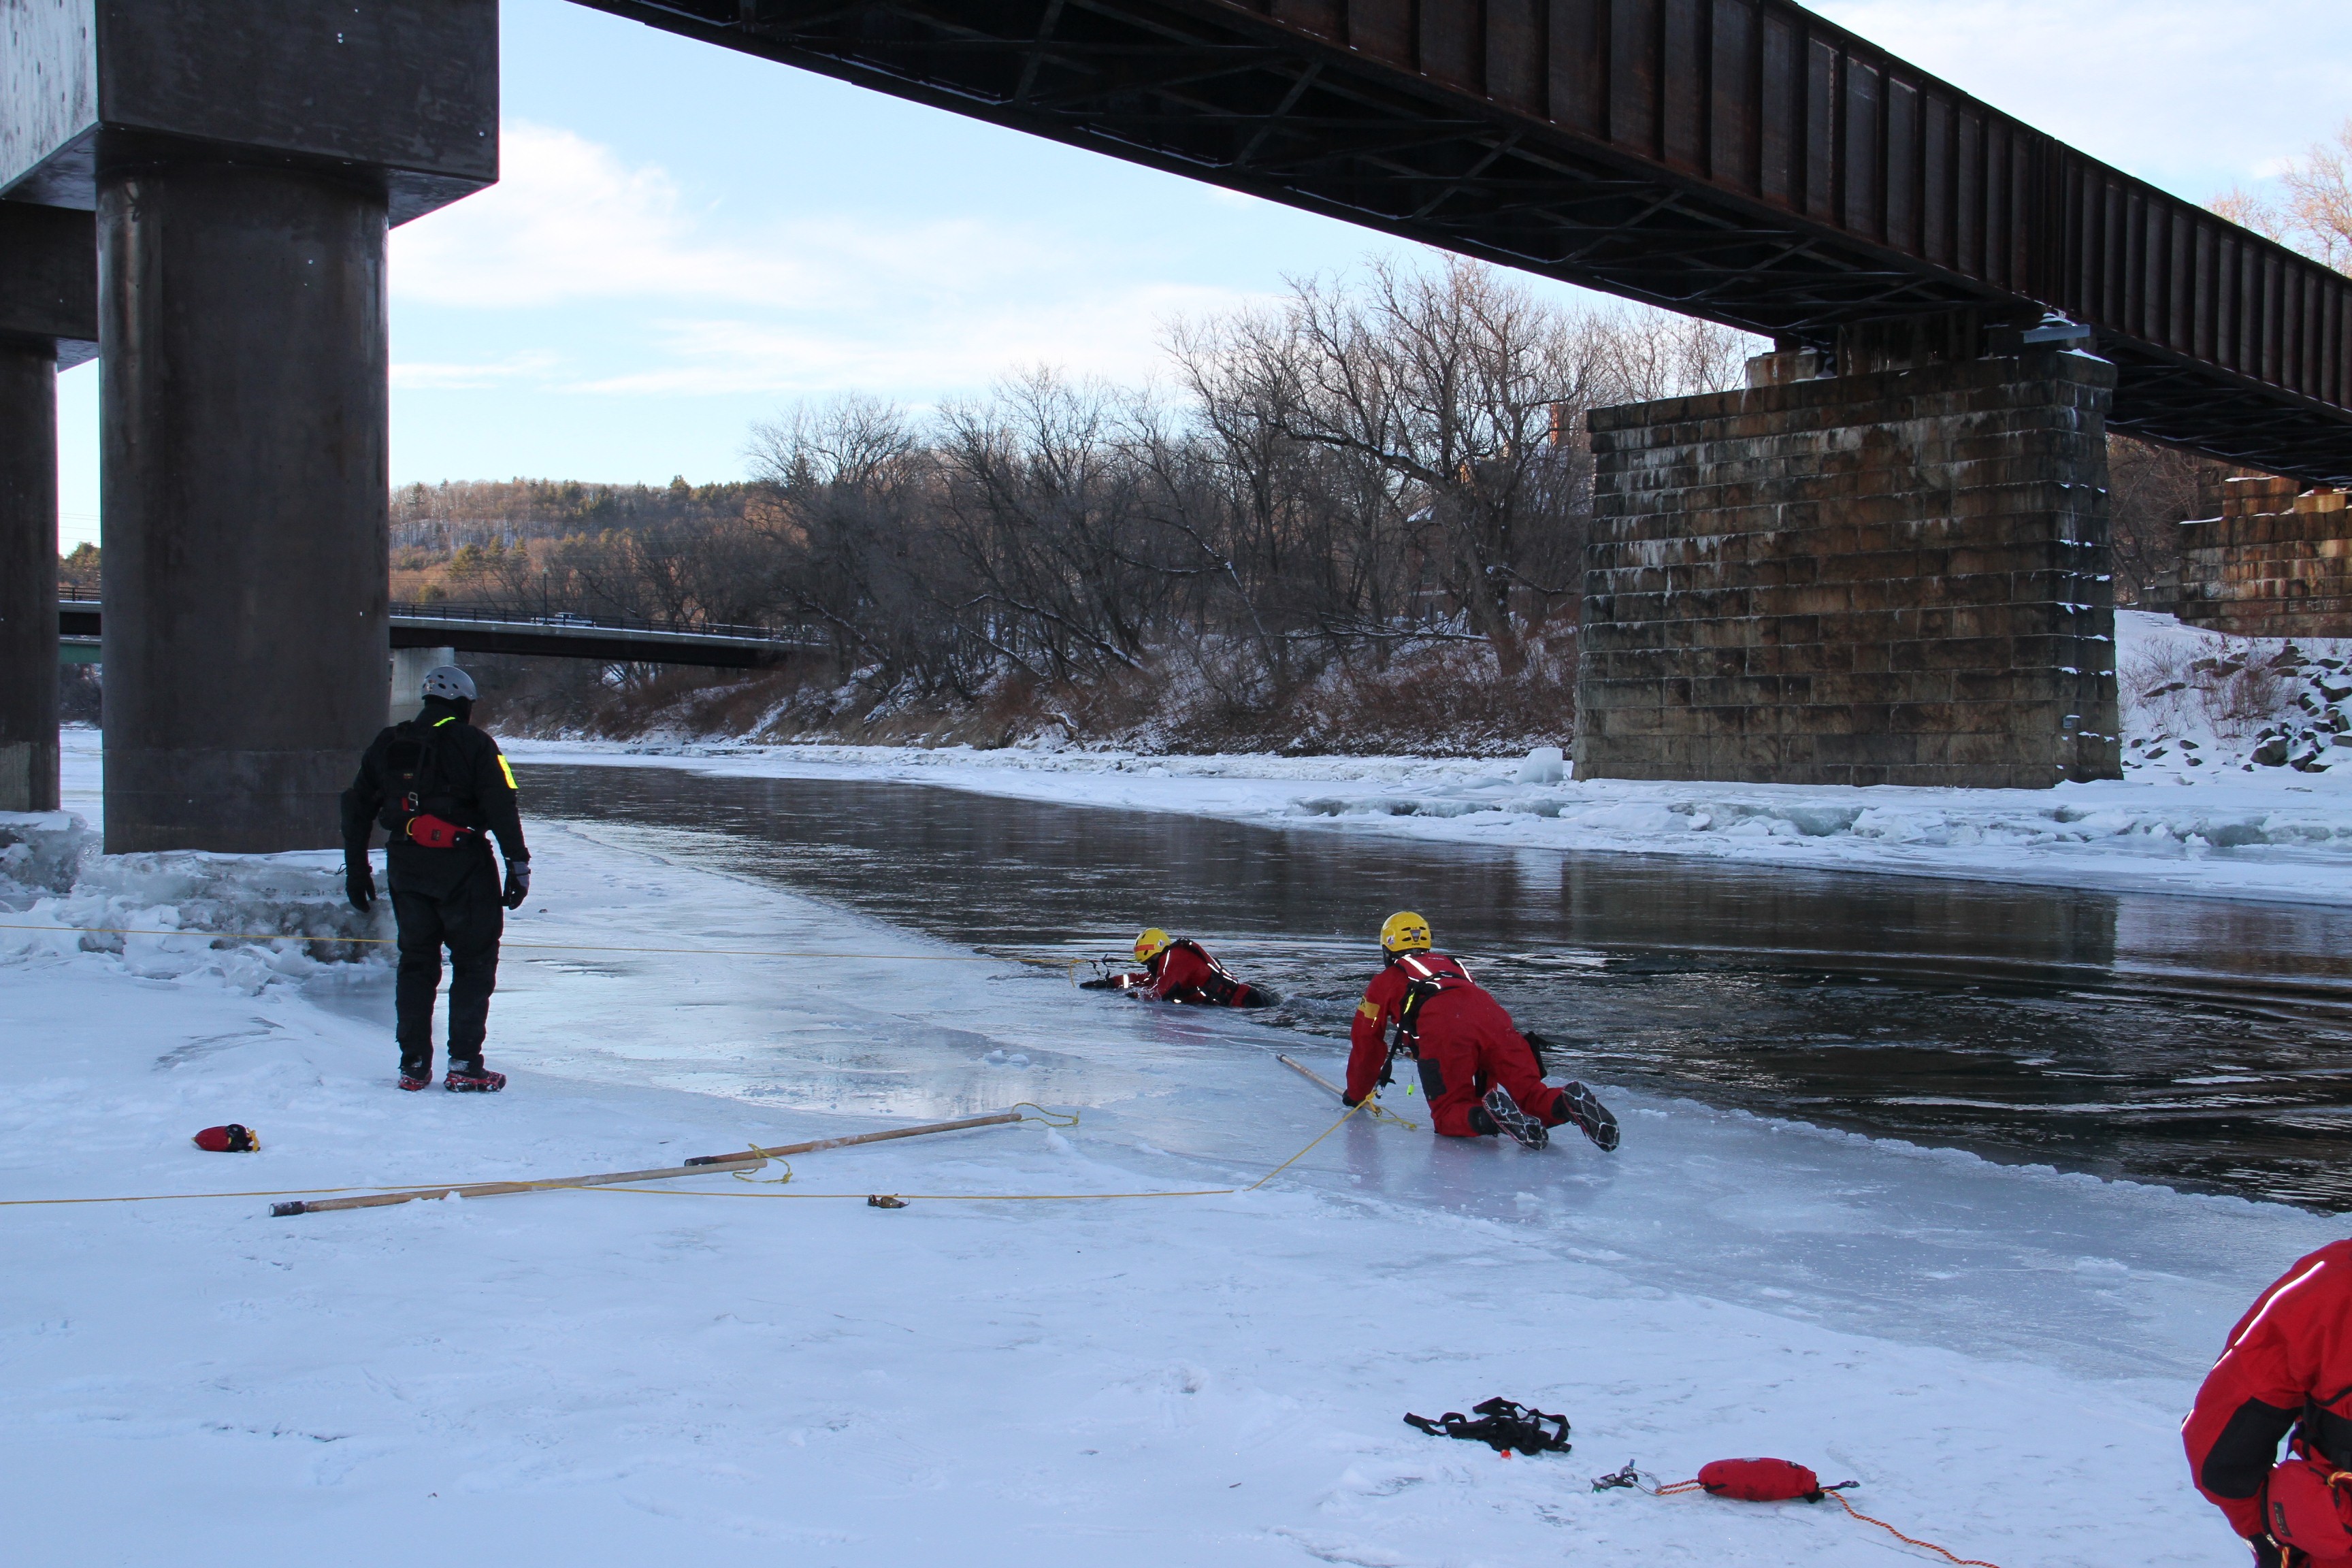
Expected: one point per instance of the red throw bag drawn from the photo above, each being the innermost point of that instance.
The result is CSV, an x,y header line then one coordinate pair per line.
x,y
230,1140
1760,1480
433,833
2306,1508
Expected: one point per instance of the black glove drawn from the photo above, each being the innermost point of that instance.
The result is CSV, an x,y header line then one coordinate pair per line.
x,y
517,884
358,884
2267,1554
1112,984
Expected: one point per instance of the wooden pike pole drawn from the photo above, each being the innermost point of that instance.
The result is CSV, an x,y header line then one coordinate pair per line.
x,y
702,1165
1380,1111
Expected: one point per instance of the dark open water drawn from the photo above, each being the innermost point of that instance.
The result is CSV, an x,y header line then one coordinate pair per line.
x,y
2195,1042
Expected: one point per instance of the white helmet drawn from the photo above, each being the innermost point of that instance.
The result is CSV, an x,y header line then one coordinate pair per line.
x,y
450,683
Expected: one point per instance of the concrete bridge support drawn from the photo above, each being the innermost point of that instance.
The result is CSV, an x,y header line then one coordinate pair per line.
x,y
1899,577
47,314
244,158
28,575
246,409
409,667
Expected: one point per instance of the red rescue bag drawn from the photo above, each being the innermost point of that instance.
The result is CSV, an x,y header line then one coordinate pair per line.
x,y
2306,1508
1760,1480
230,1140
433,833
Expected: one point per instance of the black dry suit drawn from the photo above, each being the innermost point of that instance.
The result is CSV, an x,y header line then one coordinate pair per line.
x,y
420,779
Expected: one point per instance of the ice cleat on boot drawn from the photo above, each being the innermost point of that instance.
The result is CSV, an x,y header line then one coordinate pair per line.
x,y
1510,1118
1578,1104
473,1077
416,1072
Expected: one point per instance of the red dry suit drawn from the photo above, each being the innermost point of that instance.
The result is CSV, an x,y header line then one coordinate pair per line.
x,y
2288,1364
1183,972
1462,1037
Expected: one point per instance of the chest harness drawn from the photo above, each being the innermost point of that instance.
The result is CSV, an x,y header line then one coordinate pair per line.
x,y
412,812
1219,989
1422,979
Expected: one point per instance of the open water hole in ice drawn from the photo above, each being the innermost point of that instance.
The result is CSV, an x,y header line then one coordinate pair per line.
x,y
2197,1043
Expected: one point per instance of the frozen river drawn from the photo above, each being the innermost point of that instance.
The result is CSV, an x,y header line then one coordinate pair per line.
x,y
2198,1043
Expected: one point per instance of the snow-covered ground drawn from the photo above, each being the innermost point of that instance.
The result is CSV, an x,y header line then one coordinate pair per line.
x,y
2194,813
2000,1355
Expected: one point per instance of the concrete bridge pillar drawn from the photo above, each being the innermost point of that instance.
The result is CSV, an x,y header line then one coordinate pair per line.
x,y
47,314
28,576
1898,575
246,483
244,158
409,667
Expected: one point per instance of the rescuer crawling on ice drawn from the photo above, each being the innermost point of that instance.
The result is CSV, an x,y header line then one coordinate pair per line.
x,y
442,790
1481,1074
2286,1373
1178,969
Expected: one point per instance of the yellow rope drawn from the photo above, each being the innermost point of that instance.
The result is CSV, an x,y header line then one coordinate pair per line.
x,y
1051,1119
1071,963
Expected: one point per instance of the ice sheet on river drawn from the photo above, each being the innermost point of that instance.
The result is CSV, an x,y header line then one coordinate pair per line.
x,y
1999,1353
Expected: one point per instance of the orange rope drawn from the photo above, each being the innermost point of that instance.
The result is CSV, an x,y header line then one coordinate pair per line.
x,y
1908,1539
1674,1487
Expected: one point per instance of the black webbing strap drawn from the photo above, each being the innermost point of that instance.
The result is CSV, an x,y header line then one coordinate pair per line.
x,y
1503,1425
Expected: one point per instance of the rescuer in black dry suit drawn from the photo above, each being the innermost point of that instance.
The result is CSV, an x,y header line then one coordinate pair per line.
x,y
443,790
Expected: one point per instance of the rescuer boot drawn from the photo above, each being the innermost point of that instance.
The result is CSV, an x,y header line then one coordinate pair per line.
x,y
473,1077
1509,1117
1576,1104
416,1072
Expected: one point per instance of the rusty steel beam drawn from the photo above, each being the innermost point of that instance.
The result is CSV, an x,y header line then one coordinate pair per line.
x,y
1740,160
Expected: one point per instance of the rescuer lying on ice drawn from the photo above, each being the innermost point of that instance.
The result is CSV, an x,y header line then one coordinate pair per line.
x,y
1178,969
2286,1373
1481,1074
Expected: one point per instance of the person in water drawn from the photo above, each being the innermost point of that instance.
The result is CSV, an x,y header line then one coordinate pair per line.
x,y
1480,1074
1178,969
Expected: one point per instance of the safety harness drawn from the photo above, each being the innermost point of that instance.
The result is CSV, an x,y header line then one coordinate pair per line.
x,y
1502,1425
1423,979
413,759
1220,988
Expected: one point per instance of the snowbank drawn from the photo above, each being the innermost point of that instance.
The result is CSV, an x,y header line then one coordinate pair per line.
x,y
172,915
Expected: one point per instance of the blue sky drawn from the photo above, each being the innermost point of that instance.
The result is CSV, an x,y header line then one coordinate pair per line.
x,y
686,240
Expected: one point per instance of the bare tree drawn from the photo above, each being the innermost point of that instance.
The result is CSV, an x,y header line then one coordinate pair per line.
x,y
2312,209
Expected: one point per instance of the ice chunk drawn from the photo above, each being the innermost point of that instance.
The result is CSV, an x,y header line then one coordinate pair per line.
x,y
1545,765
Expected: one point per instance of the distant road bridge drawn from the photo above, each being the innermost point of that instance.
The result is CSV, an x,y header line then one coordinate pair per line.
x,y
1740,160
471,629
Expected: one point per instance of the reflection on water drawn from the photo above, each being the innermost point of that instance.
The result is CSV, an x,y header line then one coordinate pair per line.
x,y
2191,1041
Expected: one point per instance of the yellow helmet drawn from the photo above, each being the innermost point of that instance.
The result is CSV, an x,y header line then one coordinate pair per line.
x,y
1150,944
1406,931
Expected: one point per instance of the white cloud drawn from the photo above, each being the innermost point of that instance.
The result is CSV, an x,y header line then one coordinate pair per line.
x,y
616,259
429,375
1114,334
570,222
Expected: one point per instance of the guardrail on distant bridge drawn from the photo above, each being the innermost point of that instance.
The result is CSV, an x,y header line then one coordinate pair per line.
x,y
490,628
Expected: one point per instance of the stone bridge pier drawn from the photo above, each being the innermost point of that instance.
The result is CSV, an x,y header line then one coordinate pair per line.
x,y
1898,574
244,159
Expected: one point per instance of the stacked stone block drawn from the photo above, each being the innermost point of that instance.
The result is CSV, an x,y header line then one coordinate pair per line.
x,y
2274,561
1896,578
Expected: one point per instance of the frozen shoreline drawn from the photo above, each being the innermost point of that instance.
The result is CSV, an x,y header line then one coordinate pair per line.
x,y
2193,816
598,1377
2265,839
